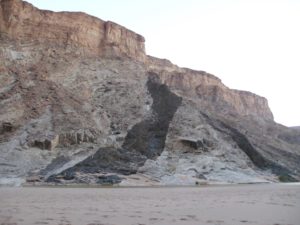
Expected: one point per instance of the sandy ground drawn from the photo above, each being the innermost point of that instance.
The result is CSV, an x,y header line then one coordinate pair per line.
x,y
263,204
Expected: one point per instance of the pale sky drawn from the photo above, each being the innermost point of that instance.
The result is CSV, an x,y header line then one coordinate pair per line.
x,y
251,45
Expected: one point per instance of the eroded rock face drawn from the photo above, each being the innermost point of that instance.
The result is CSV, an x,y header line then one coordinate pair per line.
x,y
24,23
84,90
145,140
210,90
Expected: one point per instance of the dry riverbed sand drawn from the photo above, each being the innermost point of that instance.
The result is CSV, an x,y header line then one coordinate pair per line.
x,y
265,204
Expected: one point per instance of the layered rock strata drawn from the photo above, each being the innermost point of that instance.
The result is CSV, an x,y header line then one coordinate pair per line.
x,y
81,102
25,24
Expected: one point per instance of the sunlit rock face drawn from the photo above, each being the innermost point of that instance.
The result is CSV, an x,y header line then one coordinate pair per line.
x,y
81,102
24,23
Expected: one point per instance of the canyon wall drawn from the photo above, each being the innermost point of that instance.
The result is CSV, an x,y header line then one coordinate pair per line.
x,y
24,23
210,89
81,102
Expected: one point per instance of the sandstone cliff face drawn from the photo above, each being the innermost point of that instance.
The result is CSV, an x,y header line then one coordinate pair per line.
x,y
210,90
80,102
24,23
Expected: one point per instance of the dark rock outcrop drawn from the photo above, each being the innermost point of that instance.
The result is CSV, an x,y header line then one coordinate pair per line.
x,y
204,145
146,140
7,127
86,89
148,137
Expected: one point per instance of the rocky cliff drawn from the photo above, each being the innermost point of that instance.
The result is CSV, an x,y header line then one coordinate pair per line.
x,y
23,23
209,89
81,102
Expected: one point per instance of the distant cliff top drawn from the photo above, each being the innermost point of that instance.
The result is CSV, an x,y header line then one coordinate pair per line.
x,y
20,20
87,35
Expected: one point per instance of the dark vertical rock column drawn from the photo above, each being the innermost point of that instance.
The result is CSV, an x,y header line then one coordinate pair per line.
x,y
148,137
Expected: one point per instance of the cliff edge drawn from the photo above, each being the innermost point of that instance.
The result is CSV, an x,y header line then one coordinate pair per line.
x,y
22,22
81,102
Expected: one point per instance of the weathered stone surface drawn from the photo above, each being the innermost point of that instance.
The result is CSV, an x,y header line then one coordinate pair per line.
x,y
7,127
213,94
204,145
23,22
145,140
296,128
76,137
109,179
84,88
33,179
47,143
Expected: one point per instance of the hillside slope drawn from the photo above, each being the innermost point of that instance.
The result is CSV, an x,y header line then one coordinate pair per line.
x,y
81,102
